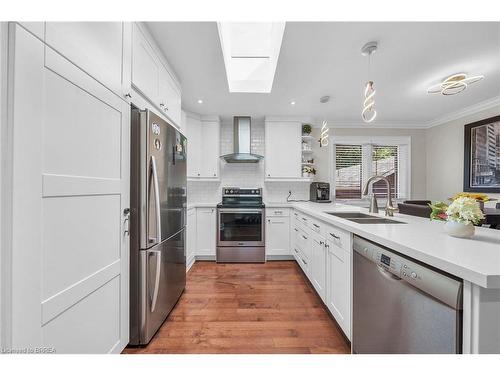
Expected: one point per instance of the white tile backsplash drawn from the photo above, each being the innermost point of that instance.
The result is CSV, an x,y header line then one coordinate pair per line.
x,y
244,175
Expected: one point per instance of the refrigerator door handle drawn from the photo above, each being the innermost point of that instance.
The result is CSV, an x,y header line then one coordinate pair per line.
x,y
157,198
154,297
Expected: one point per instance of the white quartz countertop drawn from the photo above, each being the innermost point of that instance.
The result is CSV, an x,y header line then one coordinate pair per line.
x,y
476,260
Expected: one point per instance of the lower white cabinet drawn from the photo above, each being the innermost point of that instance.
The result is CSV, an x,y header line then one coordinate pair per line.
x,y
190,237
277,232
205,231
338,286
318,264
323,252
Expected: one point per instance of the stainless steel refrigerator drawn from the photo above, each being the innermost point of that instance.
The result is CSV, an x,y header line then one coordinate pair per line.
x,y
157,223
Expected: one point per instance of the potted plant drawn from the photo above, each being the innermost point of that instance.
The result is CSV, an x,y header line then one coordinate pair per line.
x,y
307,171
306,129
461,216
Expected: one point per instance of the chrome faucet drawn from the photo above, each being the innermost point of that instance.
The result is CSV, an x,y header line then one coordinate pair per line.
x,y
389,208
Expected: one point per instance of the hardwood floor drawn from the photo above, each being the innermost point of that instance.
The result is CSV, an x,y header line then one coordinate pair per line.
x,y
247,308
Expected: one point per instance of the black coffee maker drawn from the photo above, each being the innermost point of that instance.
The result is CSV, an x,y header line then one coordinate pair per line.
x,y
319,192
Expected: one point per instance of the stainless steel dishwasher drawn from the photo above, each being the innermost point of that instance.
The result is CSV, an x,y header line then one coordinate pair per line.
x,y
401,305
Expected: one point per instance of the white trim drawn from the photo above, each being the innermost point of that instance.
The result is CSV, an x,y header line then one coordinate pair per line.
x,y
301,119
467,111
355,124
343,124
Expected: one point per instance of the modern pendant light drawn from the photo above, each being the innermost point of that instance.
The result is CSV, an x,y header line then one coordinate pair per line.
x,y
323,138
369,113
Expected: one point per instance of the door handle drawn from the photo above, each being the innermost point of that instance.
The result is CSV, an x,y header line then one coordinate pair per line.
x,y
126,213
334,236
154,298
387,274
157,198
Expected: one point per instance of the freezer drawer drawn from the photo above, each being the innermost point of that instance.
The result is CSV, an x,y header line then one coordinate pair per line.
x,y
162,280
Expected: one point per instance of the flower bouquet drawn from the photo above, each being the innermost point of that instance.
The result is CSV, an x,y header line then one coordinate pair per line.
x,y
460,216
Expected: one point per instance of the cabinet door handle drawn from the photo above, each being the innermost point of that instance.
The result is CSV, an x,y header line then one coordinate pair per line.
x,y
304,237
303,261
316,225
295,229
278,212
128,95
304,219
334,236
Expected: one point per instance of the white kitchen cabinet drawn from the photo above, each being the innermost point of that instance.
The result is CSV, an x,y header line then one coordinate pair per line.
x,y
190,238
283,155
277,235
145,66
70,289
151,77
318,264
205,231
169,97
203,136
100,49
338,285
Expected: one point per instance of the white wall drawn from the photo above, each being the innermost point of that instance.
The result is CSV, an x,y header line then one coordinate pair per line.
x,y
244,175
418,154
445,156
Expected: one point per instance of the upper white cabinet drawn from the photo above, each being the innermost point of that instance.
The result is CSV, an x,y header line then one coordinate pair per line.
x,y
203,136
169,97
145,66
283,153
100,49
151,77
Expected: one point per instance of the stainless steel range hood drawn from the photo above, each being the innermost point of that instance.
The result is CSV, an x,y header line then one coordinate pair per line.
x,y
242,144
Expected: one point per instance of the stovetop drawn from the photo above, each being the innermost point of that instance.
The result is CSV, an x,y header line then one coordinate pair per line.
x,y
233,197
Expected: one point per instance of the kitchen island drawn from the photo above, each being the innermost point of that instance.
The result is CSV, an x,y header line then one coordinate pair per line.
x,y
476,261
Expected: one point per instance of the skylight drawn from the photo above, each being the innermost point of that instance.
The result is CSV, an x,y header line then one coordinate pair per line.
x,y
251,51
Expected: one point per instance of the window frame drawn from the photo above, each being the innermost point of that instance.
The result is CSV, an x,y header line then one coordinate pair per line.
x,y
367,143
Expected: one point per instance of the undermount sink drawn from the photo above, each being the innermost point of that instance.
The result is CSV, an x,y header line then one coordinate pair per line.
x,y
361,218
351,215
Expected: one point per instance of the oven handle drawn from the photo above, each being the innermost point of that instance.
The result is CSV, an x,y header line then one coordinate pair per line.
x,y
242,211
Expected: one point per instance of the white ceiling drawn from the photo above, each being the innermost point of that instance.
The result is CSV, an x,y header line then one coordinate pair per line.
x,y
323,58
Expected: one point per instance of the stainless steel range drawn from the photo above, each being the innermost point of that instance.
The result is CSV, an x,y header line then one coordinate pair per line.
x,y
240,226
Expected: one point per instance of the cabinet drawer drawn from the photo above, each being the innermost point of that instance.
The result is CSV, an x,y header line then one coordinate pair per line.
x,y
338,237
303,242
316,226
337,251
278,211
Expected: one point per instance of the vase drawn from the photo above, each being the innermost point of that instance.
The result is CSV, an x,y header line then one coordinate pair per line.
x,y
459,230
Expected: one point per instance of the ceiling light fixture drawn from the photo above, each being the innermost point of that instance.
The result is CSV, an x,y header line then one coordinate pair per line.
x,y
324,99
369,113
323,138
454,84
292,102
200,101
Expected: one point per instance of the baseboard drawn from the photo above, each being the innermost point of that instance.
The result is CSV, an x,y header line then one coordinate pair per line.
x,y
209,258
190,262
279,257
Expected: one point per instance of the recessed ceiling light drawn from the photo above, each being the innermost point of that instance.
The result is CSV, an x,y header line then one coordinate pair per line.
x,y
200,101
292,102
324,99
453,84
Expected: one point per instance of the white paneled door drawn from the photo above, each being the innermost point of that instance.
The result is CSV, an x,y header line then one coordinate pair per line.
x,y
70,189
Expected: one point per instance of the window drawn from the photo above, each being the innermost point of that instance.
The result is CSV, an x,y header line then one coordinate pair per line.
x,y
356,159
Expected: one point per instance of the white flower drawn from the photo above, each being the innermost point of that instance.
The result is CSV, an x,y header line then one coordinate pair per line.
x,y
465,210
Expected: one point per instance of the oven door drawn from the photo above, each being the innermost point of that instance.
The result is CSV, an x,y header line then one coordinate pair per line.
x,y
240,227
